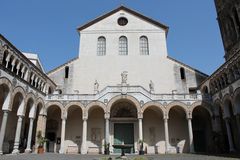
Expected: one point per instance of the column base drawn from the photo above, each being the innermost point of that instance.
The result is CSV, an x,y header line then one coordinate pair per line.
x,y
84,151
232,150
15,151
1,152
167,151
28,150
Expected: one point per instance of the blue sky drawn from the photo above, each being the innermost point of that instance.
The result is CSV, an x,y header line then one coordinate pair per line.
x,y
48,27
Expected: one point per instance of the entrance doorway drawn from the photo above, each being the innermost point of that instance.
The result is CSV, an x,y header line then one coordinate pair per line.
x,y
124,133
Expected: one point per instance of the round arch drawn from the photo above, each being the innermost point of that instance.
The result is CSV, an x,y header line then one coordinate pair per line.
x,y
202,127
217,107
125,97
236,100
17,90
227,103
54,103
30,96
96,103
203,104
79,104
149,104
179,104
4,80
40,101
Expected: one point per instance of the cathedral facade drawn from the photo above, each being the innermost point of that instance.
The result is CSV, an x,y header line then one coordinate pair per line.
x,y
122,88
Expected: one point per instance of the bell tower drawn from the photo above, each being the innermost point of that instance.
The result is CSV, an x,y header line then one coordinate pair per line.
x,y
228,12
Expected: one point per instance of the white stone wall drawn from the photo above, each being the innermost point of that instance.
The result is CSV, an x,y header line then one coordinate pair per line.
x,y
107,69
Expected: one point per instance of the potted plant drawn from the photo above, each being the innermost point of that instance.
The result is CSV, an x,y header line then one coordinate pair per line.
x,y
141,152
41,140
106,148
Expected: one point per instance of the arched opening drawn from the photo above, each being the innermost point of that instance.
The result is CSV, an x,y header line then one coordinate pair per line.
x,y
4,62
177,122
35,125
205,90
153,130
231,121
50,90
25,125
73,136
202,130
53,129
101,46
237,102
95,131
10,62
18,102
123,117
15,66
4,99
220,139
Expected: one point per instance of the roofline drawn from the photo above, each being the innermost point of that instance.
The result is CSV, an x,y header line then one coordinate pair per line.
x,y
38,60
71,60
219,68
166,28
45,75
188,66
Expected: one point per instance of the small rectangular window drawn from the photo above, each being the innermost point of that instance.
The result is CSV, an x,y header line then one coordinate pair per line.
x,y
66,72
182,73
192,90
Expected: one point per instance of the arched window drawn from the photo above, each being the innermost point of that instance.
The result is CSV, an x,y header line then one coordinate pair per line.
x,y
123,46
101,46
143,45
182,73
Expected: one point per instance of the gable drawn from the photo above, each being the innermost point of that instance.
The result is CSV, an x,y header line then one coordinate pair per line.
x,y
136,21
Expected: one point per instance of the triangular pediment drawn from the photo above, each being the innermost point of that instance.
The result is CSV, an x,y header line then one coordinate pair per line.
x,y
127,10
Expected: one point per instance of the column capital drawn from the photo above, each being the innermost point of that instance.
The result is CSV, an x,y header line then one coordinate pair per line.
x,y
63,118
20,116
84,118
5,111
165,118
140,115
106,115
189,115
226,119
31,118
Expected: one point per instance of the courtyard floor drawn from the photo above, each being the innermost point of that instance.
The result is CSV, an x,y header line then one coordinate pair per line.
x,y
52,156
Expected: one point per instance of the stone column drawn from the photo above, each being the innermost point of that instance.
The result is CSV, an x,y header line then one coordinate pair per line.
x,y
62,147
13,64
18,67
17,135
140,130
166,135
29,141
22,70
44,130
190,132
3,130
84,137
238,124
107,130
8,59
229,133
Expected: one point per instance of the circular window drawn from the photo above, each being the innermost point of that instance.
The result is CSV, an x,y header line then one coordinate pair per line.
x,y
122,21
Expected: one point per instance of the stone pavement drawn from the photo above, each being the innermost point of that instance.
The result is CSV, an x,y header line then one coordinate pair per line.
x,y
52,156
